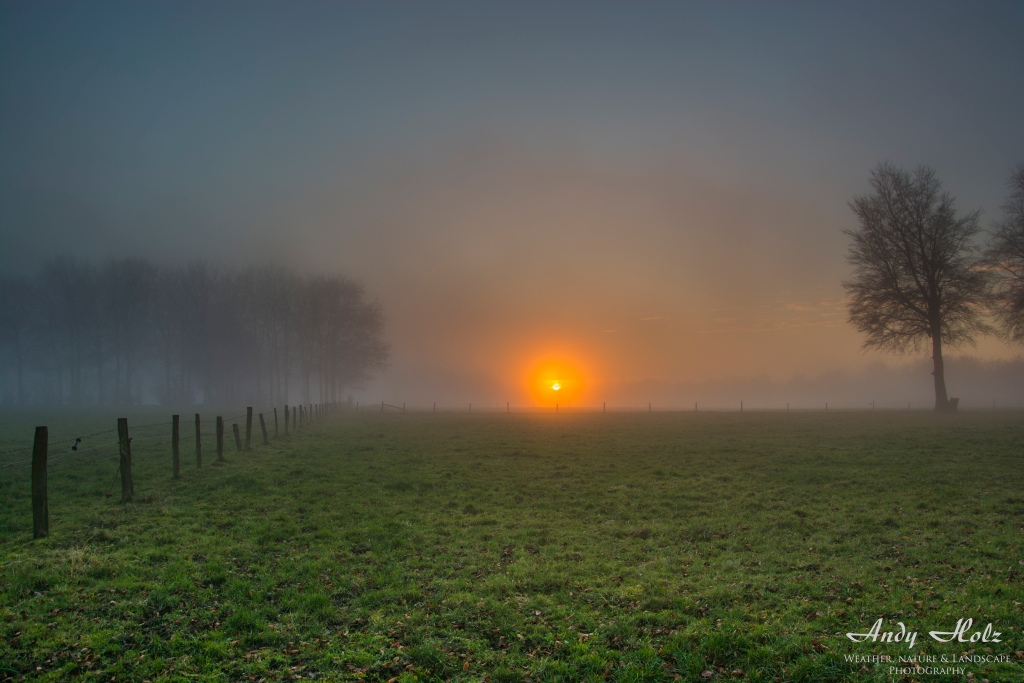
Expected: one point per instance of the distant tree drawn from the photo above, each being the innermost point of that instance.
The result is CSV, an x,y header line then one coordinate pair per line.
x,y
66,323
339,336
1006,257
15,326
917,275
130,331
128,287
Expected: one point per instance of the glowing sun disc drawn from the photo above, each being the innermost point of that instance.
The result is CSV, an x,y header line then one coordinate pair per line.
x,y
556,386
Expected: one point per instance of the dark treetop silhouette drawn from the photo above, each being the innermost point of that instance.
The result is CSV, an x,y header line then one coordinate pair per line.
x,y
130,330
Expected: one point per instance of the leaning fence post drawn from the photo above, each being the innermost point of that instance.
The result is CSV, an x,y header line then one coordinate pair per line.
x,y
275,422
127,488
238,436
175,461
263,427
40,504
220,438
248,427
199,445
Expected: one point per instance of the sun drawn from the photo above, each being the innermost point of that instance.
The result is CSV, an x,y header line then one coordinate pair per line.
x,y
555,380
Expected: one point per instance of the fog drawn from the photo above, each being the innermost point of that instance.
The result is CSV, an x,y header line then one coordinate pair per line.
x,y
649,199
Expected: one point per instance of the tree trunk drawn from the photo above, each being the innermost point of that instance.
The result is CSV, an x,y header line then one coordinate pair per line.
x,y
22,395
939,373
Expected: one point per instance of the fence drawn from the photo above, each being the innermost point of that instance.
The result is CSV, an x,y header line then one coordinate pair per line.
x,y
634,407
152,437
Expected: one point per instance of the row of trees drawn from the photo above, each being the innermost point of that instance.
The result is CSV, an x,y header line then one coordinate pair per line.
x,y
921,277
129,331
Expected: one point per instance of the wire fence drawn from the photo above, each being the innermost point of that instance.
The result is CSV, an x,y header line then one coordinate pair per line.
x,y
147,443
145,435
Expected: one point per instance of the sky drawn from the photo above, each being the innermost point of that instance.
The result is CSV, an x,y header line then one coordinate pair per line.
x,y
641,198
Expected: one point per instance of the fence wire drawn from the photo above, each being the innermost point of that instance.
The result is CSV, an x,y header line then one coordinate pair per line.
x,y
66,451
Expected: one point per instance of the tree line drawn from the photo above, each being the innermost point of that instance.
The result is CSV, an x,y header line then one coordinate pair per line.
x,y
129,331
920,275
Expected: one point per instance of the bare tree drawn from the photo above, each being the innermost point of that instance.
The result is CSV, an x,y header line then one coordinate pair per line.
x,y
917,275
15,326
1006,257
66,322
339,337
130,331
128,294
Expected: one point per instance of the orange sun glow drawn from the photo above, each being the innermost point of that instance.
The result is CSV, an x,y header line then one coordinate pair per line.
x,y
552,381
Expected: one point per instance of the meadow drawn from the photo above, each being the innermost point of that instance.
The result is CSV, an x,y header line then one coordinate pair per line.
x,y
531,547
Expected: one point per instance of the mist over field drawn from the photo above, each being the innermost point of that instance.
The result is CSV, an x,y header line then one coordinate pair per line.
x,y
645,203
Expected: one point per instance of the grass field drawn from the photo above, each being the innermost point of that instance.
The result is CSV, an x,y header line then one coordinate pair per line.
x,y
623,547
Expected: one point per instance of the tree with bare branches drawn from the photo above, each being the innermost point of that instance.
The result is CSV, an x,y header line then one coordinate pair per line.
x,y
917,275
1006,257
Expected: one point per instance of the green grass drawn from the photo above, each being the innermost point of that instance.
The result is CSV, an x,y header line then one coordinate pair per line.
x,y
572,547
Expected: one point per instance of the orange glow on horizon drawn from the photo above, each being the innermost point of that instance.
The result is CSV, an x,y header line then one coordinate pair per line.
x,y
556,380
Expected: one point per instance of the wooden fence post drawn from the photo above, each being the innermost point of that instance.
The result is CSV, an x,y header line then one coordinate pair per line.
x,y
220,438
199,445
275,422
286,419
40,504
248,428
175,455
127,488
263,427
238,436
